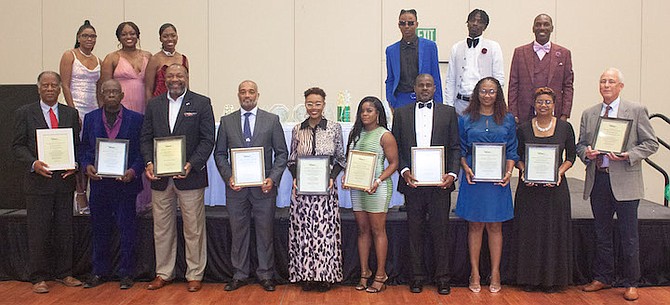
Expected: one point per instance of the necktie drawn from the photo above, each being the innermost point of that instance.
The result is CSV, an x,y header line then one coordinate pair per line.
x,y
53,119
247,130
426,104
600,158
472,42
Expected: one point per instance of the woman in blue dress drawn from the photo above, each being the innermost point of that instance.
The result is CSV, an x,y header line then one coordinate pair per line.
x,y
485,205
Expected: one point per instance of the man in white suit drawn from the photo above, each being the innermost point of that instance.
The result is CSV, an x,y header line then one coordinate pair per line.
x,y
471,60
614,184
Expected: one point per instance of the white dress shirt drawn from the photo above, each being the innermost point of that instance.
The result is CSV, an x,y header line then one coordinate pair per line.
x,y
614,112
45,112
252,119
173,109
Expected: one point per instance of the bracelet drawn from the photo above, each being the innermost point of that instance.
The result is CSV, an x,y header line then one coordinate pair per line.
x,y
509,173
379,181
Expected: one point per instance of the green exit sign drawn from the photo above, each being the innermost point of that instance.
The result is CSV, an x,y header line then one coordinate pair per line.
x,y
427,33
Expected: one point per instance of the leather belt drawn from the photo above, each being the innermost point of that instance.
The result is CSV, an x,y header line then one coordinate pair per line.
x,y
605,170
463,97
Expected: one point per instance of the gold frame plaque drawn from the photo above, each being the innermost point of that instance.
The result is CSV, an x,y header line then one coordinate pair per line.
x,y
360,172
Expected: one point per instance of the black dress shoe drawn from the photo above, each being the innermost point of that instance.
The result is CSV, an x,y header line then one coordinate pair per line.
x,y
308,286
323,286
268,285
93,281
234,284
126,283
415,286
443,288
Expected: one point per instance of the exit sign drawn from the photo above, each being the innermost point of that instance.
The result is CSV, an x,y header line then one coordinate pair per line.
x,y
427,33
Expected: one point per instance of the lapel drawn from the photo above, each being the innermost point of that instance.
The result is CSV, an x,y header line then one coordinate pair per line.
x,y
162,112
412,122
623,110
237,125
434,132
260,116
38,116
99,125
420,46
552,58
125,125
185,104
530,61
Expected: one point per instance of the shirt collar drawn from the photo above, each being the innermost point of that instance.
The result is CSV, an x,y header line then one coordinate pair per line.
x,y
614,104
322,124
253,111
45,107
179,98
478,37
410,44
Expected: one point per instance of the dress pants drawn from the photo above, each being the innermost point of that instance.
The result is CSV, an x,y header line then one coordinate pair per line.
x,y
49,235
241,212
192,204
604,205
111,206
428,209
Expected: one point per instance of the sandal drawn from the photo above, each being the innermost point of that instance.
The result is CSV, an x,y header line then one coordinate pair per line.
x,y
363,283
82,203
494,287
378,279
474,286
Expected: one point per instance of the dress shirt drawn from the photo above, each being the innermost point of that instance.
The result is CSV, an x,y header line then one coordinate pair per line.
x,y
113,129
252,119
471,73
541,50
409,65
45,112
173,109
612,114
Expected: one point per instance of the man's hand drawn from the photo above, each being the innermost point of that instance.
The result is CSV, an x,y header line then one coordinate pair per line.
x,y
41,168
187,169
447,181
128,176
149,172
591,154
231,184
92,173
267,185
409,178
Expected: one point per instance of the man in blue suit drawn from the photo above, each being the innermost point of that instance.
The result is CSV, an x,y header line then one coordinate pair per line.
x,y
112,199
408,58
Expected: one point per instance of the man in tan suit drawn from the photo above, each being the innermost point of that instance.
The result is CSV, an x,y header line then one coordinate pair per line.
x,y
614,183
540,63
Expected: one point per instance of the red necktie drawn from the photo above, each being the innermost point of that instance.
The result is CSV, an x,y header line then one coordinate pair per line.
x,y
599,159
52,117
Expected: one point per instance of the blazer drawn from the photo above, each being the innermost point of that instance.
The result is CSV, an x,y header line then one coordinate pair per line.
x,y
195,121
94,128
268,133
445,133
522,84
428,63
489,62
625,176
27,120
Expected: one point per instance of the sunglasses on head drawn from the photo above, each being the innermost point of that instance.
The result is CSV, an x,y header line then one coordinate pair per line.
x,y
403,23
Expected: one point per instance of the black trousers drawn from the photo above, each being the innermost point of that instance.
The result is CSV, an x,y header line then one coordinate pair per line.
x,y
604,205
49,235
428,209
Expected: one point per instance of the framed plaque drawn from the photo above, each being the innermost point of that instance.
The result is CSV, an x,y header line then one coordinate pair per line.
x,y
248,166
541,162
313,175
428,165
169,156
612,135
111,157
488,162
360,169
55,147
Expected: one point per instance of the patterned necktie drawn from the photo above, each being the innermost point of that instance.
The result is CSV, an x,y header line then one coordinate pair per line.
x,y
600,158
247,130
53,119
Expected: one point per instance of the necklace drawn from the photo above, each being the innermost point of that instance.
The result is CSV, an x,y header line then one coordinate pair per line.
x,y
168,54
545,129
85,55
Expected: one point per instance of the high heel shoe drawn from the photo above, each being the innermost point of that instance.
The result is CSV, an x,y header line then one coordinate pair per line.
x,y
378,279
494,287
363,283
474,286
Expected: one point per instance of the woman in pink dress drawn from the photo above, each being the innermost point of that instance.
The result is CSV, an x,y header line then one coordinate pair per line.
x,y
80,72
128,66
155,76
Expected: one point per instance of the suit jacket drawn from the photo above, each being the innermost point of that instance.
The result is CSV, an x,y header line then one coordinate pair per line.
x,y
268,133
27,120
94,128
522,83
428,63
625,176
445,133
195,121
490,63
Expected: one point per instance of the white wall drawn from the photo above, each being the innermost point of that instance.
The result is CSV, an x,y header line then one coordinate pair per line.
x,y
287,46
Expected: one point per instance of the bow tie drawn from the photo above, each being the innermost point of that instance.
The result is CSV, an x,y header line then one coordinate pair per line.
x,y
472,42
426,104
538,47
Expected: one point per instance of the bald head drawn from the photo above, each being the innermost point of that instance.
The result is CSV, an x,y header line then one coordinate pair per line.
x,y
247,93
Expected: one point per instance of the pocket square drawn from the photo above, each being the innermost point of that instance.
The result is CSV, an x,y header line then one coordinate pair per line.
x,y
189,114
560,63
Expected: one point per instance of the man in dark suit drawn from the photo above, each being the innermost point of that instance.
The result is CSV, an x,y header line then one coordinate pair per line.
x,y
614,183
408,58
112,199
251,127
180,112
49,194
540,64
424,124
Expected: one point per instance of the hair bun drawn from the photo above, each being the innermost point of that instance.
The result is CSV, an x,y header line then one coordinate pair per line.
x,y
86,22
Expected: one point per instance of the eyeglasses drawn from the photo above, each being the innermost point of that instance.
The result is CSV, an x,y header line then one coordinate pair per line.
x,y
87,36
484,92
403,23
546,102
111,92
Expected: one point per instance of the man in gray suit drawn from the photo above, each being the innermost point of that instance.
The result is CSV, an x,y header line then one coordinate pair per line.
x,y
251,127
614,183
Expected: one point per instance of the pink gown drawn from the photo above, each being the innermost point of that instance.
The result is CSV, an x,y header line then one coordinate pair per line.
x,y
132,84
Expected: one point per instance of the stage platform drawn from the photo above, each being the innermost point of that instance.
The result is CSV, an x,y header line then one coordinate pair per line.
x,y
654,245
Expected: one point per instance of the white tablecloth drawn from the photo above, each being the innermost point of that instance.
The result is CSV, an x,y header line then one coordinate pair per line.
x,y
215,194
